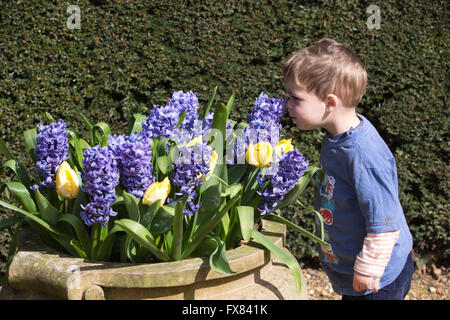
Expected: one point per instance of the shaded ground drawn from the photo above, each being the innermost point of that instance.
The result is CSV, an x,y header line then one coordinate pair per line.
x,y
429,283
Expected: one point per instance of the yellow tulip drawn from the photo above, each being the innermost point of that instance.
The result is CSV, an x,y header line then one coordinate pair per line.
x,y
284,146
67,182
259,154
212,164
157,191
194,141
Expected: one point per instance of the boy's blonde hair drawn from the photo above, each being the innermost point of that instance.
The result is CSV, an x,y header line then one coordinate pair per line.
x,y
327,67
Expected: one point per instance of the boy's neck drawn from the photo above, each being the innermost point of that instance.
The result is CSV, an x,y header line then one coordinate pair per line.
x,y
342,123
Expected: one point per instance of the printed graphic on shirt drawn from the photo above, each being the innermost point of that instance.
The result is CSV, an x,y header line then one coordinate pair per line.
x,y
326,199
328,255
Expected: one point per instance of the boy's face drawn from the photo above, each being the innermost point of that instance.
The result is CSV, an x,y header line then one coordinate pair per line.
x,y
305,109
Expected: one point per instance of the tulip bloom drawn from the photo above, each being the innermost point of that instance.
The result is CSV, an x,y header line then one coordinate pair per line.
x,y
67,182
212,164
157,191
259,155
194,141
284,146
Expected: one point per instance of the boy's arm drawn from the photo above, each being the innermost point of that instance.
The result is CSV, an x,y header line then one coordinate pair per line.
x,y
376,187
373,259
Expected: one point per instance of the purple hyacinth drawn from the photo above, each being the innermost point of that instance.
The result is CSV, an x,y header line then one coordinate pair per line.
x,y
284,176
134,159
189,172
185,101
52,149
163,120
267,109
100,178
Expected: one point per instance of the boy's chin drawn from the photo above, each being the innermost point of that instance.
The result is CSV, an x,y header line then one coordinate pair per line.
x,y
304,127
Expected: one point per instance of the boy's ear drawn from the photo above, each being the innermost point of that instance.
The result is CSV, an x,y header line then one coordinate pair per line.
x,y
332,102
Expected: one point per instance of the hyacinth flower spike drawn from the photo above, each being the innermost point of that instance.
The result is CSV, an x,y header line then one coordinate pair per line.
x,y
52,149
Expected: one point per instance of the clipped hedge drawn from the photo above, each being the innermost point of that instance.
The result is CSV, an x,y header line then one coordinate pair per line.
x,y
130,55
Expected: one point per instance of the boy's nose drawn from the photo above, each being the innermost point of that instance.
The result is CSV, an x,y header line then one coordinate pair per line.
x,y
288,104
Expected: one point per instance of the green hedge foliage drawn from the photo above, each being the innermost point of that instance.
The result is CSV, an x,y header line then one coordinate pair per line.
x,y
131,55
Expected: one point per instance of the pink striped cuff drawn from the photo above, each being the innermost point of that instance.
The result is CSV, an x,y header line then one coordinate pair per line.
x,y
376,253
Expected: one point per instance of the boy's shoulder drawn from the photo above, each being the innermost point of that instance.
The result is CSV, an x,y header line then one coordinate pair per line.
x,y
373,151
366,147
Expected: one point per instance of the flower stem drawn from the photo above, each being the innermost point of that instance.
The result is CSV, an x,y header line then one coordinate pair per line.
x,y
220,179
318,216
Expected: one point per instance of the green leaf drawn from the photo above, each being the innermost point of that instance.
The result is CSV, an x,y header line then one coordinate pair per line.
x,y
207,227
235,173
161,145
274,217
106,246
163,164
21,193
246,218
219,123
49,117
86,122
135,124
206,247
21,172
80,199
230,104
232,191
162,221
80,230
4,149
286,258
77,247
132,206
33,217
142,236
219,260
318,215
104,141
78,148
181,118
84,143
47,211
214,247
251,186
105,131
209,104
148,212
30,142
98,235
210,199
177,231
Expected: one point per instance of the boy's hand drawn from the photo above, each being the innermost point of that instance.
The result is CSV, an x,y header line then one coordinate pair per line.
x,y
362,282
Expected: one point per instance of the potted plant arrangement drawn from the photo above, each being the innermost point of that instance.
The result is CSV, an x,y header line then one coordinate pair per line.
x,y
186,201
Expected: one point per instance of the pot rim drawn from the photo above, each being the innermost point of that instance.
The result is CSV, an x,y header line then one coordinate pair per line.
x,y
59,274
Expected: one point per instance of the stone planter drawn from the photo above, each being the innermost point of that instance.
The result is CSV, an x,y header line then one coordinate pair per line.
x,y
38,272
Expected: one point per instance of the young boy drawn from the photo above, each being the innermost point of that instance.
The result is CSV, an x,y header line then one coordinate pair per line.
x,y
369,256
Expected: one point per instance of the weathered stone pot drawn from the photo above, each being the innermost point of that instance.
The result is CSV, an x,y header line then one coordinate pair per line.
x,y
38,272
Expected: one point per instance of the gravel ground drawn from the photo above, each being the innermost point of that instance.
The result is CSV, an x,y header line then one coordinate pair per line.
x,y
429,283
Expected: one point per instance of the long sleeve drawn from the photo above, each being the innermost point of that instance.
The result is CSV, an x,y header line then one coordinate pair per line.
x,y
376,253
